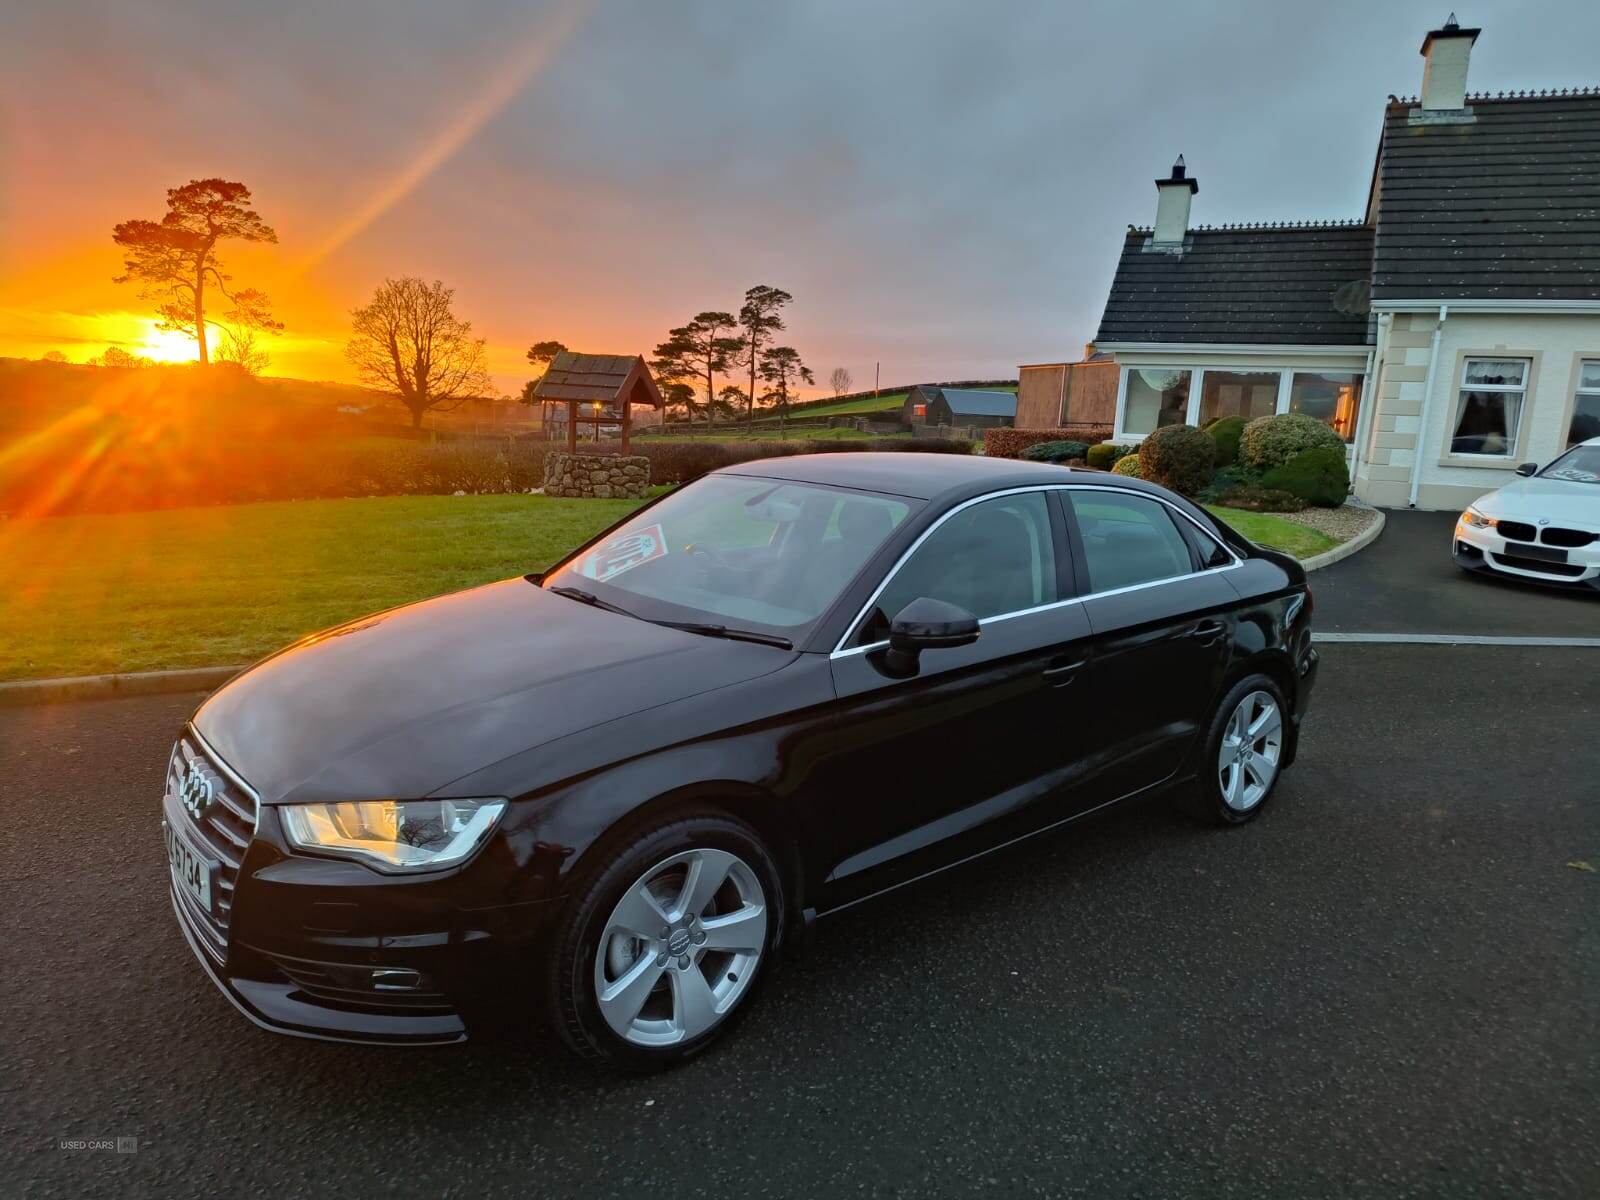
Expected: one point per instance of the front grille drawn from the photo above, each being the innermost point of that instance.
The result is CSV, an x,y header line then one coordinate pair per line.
x,y
1570,538
1516,531
224,830
1565,570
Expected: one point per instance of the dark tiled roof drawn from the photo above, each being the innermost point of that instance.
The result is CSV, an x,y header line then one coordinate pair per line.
x,y
1506,206
980,404
1272,284
591,378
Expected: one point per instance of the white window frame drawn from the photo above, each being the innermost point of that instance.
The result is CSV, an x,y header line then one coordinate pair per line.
x,y
1578,392
1513,445
1320,361
1286,393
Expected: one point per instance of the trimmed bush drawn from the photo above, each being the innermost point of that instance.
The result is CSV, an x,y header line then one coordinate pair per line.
x,y
1128,464
1259,499
1226,432
1055,452
1010,443
1180,457
1272,441
1316,476
1106,455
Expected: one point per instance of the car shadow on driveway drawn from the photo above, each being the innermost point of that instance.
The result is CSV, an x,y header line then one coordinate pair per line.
x,y
1406,582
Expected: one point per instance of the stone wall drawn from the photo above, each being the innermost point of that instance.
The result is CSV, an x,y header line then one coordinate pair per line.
x,y
599,475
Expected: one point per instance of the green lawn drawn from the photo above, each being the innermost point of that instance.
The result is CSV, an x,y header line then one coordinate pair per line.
x,y
1275,532
214,586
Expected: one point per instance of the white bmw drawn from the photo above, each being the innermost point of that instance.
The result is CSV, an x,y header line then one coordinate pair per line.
x,y
1545,526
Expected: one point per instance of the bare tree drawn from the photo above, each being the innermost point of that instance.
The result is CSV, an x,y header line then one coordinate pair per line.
x,y
240,345
839,380
409,342
174,260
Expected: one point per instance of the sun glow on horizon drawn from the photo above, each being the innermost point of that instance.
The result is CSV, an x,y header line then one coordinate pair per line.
x,y
165,345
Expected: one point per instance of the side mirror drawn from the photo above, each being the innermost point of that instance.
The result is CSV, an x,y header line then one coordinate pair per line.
x,y
1526,469
926,624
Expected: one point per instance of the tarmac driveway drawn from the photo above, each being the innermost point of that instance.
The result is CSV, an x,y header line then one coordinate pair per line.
x,y
1406,582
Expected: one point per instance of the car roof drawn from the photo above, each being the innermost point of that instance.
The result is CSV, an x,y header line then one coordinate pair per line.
x,y
916,475
922,476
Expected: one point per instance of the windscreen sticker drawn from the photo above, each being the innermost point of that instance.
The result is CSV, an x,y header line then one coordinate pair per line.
x,y
610,559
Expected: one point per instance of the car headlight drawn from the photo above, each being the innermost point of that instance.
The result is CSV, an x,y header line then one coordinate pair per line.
x,y
394,835
1477,520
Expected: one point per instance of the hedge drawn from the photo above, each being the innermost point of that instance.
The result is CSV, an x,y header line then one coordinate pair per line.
x,y
1226,432
1180,457
1128,464
1317,476
241,473
1056,452
1010,443
1272,441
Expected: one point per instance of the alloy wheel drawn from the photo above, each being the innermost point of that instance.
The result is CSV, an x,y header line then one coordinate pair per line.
x,y
1252,742
680,948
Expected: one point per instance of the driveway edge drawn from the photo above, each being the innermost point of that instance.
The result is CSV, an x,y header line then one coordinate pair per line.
x,y
1345,549
134,683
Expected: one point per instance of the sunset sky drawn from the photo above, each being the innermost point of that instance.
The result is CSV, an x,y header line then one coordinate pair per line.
x,y
943,185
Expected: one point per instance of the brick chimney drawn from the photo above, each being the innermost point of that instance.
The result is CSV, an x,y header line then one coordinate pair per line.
x,y
1173,196
1444,78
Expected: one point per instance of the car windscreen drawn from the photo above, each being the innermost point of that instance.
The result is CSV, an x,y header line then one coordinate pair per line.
x,y
763,554
1581,464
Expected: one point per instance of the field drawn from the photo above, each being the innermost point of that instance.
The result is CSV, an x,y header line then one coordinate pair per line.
x,y
208,586
216,586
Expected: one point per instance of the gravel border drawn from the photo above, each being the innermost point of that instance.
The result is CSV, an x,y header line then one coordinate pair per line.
x,y
1349,520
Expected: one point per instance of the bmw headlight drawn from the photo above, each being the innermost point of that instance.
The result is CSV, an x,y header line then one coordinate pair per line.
x,y
1477,520
394,835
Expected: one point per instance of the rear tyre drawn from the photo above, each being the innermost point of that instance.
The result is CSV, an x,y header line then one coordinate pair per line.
x,y
1243,753
665,945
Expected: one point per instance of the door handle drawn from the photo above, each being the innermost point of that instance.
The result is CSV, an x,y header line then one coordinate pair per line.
x,y
1059,674
1207,632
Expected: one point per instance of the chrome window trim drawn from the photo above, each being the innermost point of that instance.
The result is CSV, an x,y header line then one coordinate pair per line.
x,y
839,650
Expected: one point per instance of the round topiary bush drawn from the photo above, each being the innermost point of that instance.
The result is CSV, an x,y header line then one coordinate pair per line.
x,y
1180,457
1106,455
1055,452
1226,432
1128,464
1272,441
1316,476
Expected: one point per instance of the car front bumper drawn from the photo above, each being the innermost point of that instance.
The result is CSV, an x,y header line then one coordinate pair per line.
x,y
329,949
1487,551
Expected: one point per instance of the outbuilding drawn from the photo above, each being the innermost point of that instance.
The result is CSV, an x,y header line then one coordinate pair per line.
x,y
927,404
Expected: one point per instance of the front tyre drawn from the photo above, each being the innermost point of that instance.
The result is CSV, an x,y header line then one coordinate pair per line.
x,y
662,950
1242,753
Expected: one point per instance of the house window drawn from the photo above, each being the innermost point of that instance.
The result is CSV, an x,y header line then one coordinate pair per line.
x,y
1155,397
1586,404
1247,394
1489,406
1333,397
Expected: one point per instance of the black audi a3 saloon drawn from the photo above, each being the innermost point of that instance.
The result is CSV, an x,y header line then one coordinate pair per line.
x,y
608,795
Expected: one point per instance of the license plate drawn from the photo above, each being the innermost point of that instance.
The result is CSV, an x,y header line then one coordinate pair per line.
x,y
189,871
1538,553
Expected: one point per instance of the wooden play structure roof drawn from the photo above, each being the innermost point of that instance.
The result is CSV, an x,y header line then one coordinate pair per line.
x,y
609,379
